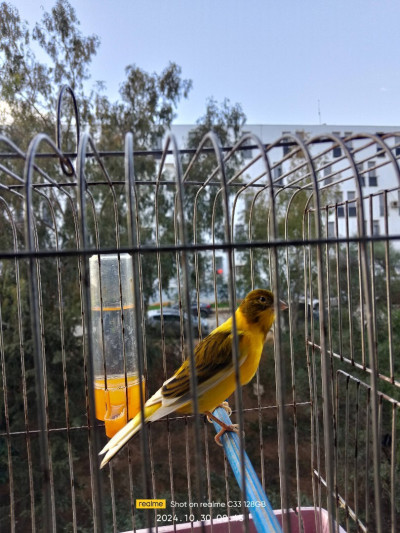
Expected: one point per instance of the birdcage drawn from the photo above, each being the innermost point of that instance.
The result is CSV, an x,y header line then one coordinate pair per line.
x,y
187,234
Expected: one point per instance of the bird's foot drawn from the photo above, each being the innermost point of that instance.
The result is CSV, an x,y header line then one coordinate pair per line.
x,y
224,405
224,427
231,427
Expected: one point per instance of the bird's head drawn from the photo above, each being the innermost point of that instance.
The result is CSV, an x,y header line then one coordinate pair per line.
x,y
258,308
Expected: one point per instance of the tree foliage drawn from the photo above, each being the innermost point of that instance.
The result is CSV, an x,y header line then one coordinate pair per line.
x,y
34,63
29,87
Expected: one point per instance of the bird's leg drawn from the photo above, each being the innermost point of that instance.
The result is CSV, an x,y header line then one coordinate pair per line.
x,y
224,427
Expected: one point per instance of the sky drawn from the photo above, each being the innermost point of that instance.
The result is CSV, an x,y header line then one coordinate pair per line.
x,y
284,61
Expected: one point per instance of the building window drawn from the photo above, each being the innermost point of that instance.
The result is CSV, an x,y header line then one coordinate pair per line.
x,y
285,148
372,177
379,150
349,143
340,208
375,227
247,154
381,206
360,169
277,173
351,208
327,173
331,229
337,151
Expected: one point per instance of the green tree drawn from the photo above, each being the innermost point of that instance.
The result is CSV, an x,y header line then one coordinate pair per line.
x,y
204,203
29,90
147,108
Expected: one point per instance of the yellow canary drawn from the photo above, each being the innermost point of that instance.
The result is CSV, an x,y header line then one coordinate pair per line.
x,y
215,369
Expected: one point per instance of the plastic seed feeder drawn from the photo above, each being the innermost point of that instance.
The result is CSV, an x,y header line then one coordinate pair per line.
x,y
116,378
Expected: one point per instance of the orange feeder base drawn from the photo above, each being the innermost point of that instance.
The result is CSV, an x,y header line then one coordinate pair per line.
x,y
111,403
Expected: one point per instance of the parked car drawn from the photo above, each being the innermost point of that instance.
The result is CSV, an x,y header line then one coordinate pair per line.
x,y
172,323
205,309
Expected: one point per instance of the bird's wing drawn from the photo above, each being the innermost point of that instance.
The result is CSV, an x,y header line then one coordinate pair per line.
x,y
213,361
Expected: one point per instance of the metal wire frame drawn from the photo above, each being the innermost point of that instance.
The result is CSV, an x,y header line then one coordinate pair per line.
x,y
367,311
249,193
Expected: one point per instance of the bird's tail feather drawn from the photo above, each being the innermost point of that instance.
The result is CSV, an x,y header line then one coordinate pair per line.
x,y
126,433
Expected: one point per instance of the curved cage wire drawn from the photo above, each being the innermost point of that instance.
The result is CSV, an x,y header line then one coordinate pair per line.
x,y
314,219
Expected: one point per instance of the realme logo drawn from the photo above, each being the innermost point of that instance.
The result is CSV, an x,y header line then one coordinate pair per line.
x,y
151,504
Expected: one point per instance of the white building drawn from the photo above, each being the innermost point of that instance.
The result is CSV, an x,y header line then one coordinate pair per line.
x,y
378,171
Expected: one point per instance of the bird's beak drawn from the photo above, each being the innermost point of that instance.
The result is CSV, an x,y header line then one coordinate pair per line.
x,y
282,305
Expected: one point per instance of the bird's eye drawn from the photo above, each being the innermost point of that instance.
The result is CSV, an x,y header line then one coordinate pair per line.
x,y
262,299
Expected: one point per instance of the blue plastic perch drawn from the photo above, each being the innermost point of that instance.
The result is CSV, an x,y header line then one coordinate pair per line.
x,y
262,512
